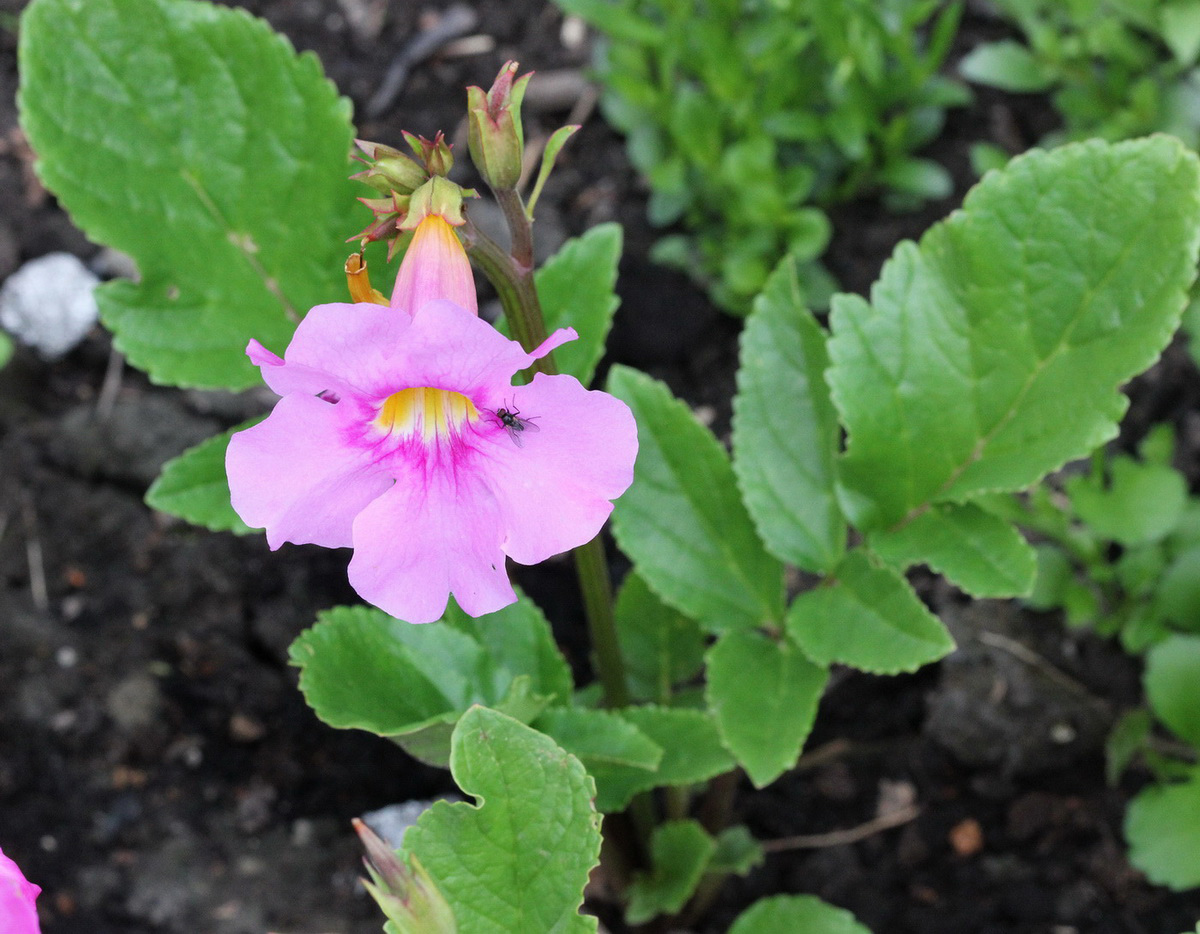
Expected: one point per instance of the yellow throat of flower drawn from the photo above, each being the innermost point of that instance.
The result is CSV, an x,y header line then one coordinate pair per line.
x,y
432,414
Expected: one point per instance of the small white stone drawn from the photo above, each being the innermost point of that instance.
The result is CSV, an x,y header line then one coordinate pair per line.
x,y
48,303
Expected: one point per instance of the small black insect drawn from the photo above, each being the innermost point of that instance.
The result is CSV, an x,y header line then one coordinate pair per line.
x,y
511,419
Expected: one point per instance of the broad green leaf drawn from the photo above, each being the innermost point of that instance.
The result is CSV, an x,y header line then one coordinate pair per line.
x,y
194,138
193,486
603,741
683,523
980,552
1162,826
1172,680
679,854
517,641
6,349
1007,65
1141,503
795,914
867,617
692,752
991,353
661,647
785,430
360,668
575,287
764,695
518,859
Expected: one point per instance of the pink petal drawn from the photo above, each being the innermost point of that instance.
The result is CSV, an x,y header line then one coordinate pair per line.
x,y
450,348
435,267
342,347
18,914
296,475
556,489
428,537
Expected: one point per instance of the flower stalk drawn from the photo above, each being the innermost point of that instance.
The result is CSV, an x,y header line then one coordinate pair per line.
x,y
511,274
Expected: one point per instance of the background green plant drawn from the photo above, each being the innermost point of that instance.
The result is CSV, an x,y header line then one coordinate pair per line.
x,y
749,118
1120,552
1115,69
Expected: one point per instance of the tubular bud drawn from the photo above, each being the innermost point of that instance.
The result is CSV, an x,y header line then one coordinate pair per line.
x,y
403,889
495,136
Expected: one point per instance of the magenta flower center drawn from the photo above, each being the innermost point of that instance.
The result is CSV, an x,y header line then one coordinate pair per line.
x,y
434,416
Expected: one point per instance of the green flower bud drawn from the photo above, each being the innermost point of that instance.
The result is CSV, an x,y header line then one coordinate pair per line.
x,y
403,889
494,133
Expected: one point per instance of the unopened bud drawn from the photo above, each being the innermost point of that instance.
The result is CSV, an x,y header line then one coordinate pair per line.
x,y
495,136
403,889
435,154
389,169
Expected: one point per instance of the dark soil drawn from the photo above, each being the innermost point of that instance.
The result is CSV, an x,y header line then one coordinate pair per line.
x,y
160,773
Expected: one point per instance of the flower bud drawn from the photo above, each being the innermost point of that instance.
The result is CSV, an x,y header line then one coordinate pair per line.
x,y
495,136
435,153
389,169
403,889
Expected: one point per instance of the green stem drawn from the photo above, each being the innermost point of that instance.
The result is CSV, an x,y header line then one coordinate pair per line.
x,y
518,226
512,277
592,568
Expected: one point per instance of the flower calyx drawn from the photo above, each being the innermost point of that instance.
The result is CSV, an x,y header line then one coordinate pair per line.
x,y
495,137
438,196
403,889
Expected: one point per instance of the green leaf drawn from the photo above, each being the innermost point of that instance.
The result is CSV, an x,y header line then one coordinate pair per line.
x,y
692,752
1124,742
764,695
193,486
1007,65
519,858
683,523
1142,502
737,852
362,669
1181,30
661,647
192,137
1162,826
1055,577
517,641
606,744
1178,593
679,853
576,290
6,349
992,352
867,617
795,914
785,429
980,552
1172,680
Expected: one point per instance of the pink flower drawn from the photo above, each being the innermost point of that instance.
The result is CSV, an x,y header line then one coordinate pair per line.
x,y
17,896
399,434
